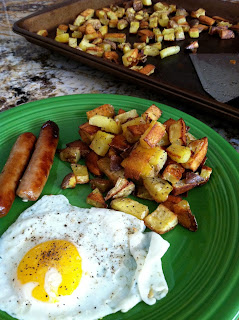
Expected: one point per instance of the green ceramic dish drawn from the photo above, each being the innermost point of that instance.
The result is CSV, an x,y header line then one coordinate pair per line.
x,y
201,268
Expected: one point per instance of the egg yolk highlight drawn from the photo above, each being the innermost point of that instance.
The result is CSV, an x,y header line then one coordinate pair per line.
x,y
58,254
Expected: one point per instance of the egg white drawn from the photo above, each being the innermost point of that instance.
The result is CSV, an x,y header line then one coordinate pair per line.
x,y
121,264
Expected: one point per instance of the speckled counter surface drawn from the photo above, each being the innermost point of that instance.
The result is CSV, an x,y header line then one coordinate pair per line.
x,y
29,72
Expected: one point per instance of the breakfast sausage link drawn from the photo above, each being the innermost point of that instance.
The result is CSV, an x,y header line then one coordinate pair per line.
x,y
37,172
13,170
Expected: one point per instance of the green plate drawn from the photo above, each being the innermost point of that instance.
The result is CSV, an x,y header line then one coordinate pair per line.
x,y
201,268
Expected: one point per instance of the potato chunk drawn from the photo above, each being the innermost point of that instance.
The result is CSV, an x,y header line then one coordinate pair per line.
x,y
130,206
91,163
199,151
102,184
70,154
100,143
161,220
177,132
179,154
104,165
173,172
153,113
105,123
123,117
122,188
69,182
96,199
87,132
185,216
81,173
106,110
152,135
158,188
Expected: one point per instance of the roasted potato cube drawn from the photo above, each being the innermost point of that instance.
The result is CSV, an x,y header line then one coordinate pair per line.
x,y
115,37
81,173
87,132
189,138
147,2
124,117
100,143
70,154
181,187
169,51
63,38
79,20
173,173
171,201
72,42
95,51
130,206
130,58
185,216
122,188
158,159
76,34
158,35
112,56
133,133
119,143
152,135
206,20
164,140
147,70
161,220
142,192
158,188
135,121
43,33
106,110
151,51
105,123
122,24
134,27
199,12
193,32
69,182
96,199
102,184
153,113
82,146
88,13
137,164
205,173
178,153
85,44
104,165
91,163
179,33
198,149
177,132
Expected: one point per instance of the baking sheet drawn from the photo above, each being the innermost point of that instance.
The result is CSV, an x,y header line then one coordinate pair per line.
x,y
175,76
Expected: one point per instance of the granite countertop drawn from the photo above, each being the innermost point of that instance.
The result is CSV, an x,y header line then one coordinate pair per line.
x,y
29,72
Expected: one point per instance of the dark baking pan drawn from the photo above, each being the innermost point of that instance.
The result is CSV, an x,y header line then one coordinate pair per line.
x,y
175,76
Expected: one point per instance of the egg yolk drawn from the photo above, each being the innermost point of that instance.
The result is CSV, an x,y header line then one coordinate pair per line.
x,y
58,254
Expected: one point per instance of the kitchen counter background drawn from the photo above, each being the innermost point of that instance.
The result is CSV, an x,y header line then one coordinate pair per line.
x,y
29,72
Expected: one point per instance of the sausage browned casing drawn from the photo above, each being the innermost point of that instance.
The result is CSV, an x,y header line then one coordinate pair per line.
x,y
37,172
13,170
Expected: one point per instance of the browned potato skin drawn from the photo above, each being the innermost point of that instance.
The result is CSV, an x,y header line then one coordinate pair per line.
x,y
119,143
83,147
102,184
13,170
96,199
104,165
91,163
199,151
106,110
182,188
185,217
69,181
171,201
152,113
87,132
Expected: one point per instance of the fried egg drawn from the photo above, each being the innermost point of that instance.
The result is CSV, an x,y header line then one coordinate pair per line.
x,y
58,261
